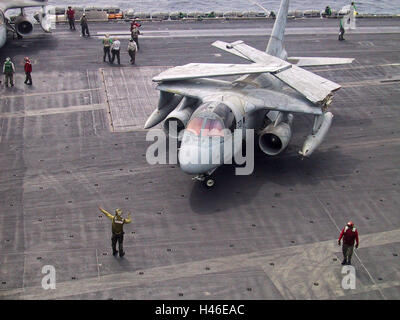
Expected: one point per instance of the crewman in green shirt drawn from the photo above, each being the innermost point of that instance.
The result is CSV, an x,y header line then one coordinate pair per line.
x,y
354,6
341,28
117,230
9,70
328,11
107,42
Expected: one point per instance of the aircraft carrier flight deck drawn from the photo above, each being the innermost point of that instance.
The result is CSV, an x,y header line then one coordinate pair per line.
x,y
75,141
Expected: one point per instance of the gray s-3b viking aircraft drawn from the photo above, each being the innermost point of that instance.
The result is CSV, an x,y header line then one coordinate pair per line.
x,y
270,90
22,25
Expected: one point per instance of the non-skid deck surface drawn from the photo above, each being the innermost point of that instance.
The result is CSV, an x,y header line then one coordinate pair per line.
x,y
131,95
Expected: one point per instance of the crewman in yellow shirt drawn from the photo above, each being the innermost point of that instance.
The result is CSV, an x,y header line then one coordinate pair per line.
x,y
117,229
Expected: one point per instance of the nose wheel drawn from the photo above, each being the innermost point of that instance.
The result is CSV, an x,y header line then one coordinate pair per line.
x,y
209,182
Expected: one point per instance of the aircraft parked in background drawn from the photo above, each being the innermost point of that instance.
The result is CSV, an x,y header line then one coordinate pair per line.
x,y
22,25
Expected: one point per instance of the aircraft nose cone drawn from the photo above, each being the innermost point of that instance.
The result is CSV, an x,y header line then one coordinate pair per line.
x,y
197,168
191,162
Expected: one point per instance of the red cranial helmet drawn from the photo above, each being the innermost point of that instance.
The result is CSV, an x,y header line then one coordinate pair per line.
x,y
350,224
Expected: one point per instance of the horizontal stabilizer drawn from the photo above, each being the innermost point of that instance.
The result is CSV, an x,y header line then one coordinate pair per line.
x,y
203,70
318,61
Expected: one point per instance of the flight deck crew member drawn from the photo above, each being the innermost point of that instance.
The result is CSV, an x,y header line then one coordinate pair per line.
x,y
328,11
353,12
135,23
84,25
135,35
107,42
71,18
349,234
349,20
354,6
28,71
132,48
341,29
115,50
117,229
9,70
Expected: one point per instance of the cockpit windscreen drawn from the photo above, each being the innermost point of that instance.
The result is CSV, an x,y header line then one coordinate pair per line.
x,y
206,127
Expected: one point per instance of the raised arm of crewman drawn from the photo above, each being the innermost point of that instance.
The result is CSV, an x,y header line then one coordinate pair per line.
x,y
108,215
111,217
128,220
117,229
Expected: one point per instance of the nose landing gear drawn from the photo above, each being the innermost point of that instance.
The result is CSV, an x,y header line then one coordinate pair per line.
x,y
206,179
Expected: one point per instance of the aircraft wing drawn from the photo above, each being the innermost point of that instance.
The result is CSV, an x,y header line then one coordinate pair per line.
x,y
318,61
202,70
209,89
279,101
230,47
198,89
315,88
15,4
240,49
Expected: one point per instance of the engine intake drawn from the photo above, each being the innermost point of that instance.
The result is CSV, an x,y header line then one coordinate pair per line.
x,y
23,26
274,139
181,117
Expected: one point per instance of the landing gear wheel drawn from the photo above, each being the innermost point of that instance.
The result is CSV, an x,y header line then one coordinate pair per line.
x,y
210,182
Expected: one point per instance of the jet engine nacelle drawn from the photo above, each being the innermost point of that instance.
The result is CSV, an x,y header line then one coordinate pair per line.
x,y
23,25
274,139
181,117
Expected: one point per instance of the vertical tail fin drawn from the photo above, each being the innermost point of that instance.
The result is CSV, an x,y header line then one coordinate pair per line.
x,y
275,45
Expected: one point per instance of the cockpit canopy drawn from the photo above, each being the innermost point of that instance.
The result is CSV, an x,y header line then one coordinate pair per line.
x,y
210,119
206,126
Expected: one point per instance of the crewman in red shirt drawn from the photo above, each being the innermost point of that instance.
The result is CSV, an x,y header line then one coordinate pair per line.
x,y
135,23
349,234
71,18
28,71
